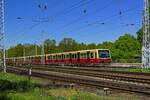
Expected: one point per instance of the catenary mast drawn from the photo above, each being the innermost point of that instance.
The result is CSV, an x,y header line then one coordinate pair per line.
x,y
146,36
2,34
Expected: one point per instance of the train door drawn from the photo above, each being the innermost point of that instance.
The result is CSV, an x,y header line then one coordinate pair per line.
x,y
78,57
88,56
62,60
70,57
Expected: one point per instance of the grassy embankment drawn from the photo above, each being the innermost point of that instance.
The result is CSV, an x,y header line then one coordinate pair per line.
x,y
15,87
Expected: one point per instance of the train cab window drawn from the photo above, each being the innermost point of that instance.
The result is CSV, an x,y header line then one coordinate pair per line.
x,y
103,53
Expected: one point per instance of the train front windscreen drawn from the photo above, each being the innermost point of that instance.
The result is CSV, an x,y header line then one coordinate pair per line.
x,y
104,53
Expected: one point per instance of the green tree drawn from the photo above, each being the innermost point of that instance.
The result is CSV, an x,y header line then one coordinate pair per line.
x,y
92,46
49,46
140,35
68,44
16,51
126,47
106,45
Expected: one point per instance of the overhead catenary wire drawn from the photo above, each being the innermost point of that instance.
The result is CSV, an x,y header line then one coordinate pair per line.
x,y
83,16
98,22
70,9
105,20
73,6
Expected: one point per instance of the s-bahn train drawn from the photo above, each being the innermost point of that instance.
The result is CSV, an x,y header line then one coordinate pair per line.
x,y
94,56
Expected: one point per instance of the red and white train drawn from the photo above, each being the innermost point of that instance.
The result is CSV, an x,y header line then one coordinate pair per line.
x,y
94,56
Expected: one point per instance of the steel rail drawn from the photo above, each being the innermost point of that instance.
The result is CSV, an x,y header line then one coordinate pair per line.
x,y
85,80
128,78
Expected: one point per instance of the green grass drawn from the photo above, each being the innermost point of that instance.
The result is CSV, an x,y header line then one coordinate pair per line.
x,y
11,77
15,87
139,70
62,94
35,94
131,70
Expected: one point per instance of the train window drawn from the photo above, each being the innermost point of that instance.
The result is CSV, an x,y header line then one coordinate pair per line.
x,y
57,57
67,56
75,56
88,54
54,57
60,57
49,57
81,55
64,56
72,55
85,55
92,55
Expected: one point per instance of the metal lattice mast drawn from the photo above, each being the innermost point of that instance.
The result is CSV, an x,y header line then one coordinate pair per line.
x,y
146,37
2,46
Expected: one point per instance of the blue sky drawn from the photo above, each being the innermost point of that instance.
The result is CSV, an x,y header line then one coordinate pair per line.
x,y
88,21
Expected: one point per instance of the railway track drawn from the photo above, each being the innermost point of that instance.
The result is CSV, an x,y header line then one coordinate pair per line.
x,y
85,80
114,75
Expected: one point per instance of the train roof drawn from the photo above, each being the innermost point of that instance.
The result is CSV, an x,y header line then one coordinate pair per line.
x,y
76,51
57,53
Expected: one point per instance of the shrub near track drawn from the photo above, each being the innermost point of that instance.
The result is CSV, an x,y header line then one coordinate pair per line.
x,y
11,83
15,87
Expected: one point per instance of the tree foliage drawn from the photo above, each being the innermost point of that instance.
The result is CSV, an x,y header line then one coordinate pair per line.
x,y
126,48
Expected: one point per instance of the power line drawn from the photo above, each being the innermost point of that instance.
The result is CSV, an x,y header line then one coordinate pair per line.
x,y
105,20
81,17
75,6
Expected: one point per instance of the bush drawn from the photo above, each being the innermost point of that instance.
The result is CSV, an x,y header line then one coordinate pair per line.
x,y
16,86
